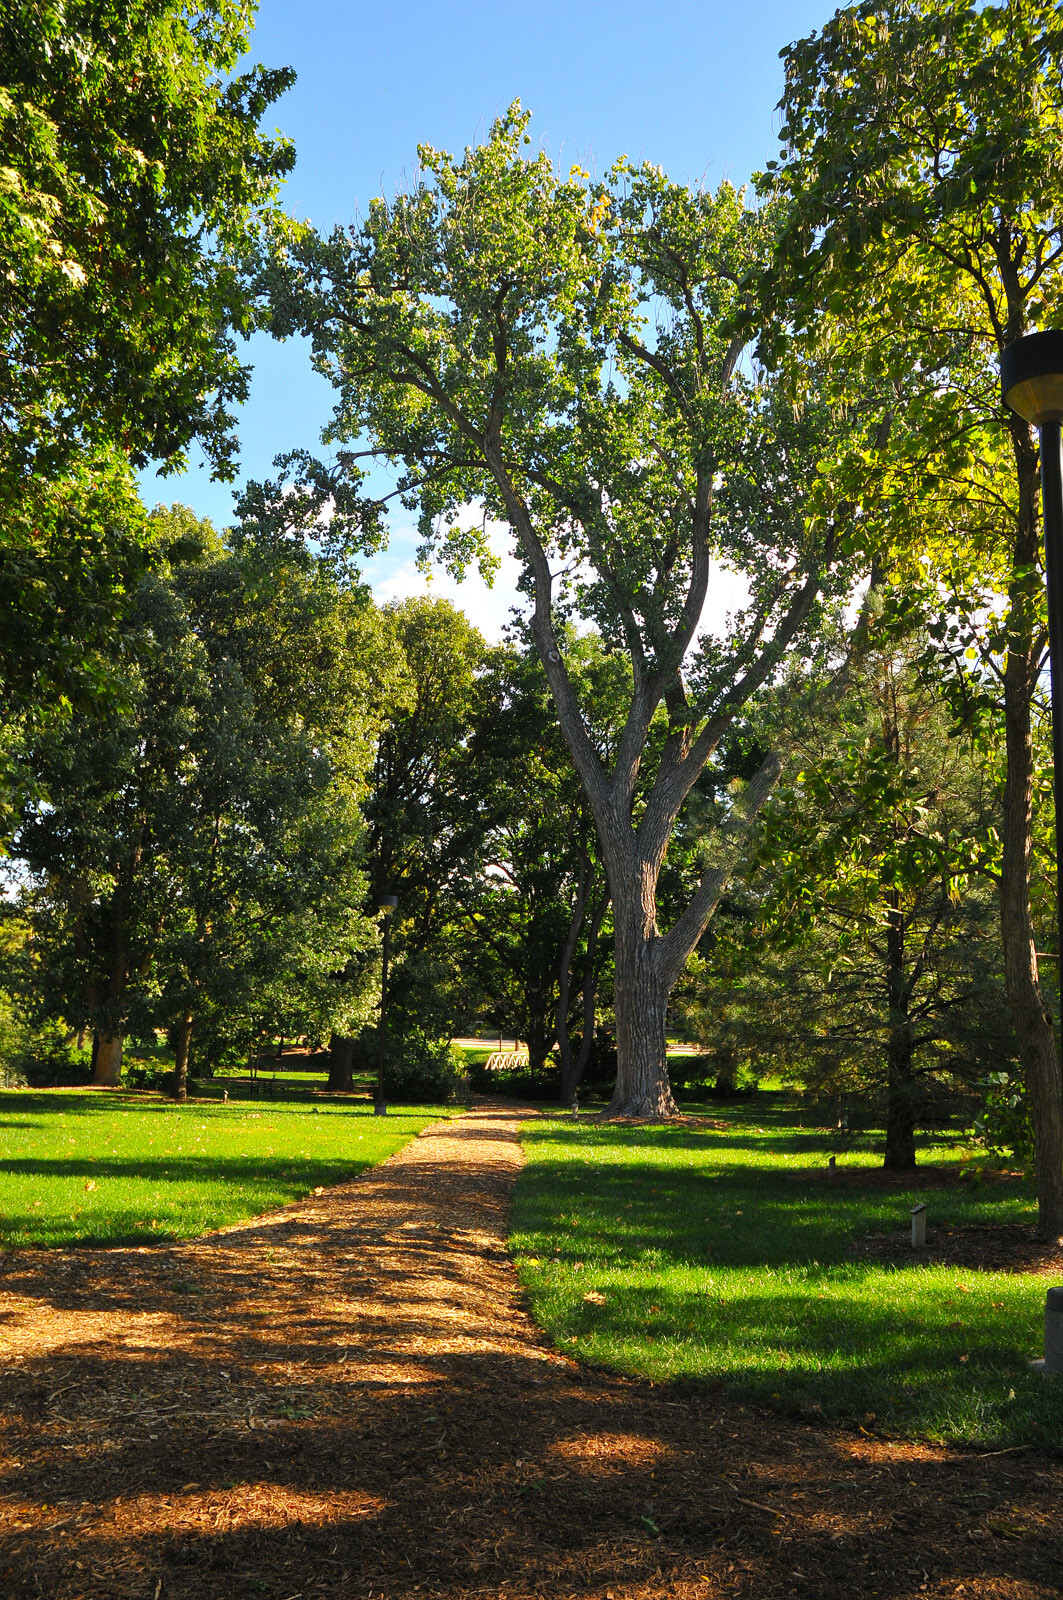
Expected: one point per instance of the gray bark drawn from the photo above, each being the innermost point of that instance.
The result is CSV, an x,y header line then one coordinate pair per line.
x,y
107,1067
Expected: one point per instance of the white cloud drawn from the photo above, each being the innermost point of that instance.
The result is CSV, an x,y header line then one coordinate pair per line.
x,y
728,592
396,576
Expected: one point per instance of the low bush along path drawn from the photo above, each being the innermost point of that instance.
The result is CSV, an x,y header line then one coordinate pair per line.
x,y
346,1398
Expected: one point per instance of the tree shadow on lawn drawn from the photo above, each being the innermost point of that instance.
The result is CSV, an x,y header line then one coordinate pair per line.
x,y
99,1102
754,1134
728,1215
239,1186
724,1271
347,1399
230,1472
916,1356
83,1102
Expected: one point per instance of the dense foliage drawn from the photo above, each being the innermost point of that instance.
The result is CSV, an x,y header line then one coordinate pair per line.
x,y
565,354
133,177
217,755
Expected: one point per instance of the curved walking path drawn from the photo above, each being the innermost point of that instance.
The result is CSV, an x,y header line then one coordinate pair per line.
x,y
346,1399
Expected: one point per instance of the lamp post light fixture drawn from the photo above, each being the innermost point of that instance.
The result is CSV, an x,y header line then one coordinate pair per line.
x,y
1031,377
387,904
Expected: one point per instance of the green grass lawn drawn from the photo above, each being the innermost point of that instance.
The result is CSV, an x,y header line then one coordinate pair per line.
x,y
313,1076
88,1168
474,1057
688,1254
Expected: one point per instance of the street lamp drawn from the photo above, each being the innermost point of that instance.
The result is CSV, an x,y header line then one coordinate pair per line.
x,y
1031,377
386,904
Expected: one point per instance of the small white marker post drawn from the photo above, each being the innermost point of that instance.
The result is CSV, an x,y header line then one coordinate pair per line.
x,y
918,1226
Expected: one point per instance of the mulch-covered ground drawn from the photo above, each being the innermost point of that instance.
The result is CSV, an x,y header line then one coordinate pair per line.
x,y
346,1399
988,1247
858,1177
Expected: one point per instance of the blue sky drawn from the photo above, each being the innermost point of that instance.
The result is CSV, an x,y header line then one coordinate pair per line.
x,y
691,87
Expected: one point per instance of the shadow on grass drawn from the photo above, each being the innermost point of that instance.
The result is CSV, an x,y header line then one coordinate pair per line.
x,y
688,1259
111,1102
274,1437
921,1358
247,1171
475,1474
727,1214
97,1196
249,1183
752,1134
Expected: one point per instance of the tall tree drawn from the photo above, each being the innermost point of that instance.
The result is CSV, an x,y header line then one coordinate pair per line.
x,y
418,826
562,353
534,891
201,843
133,176
862,951
921,170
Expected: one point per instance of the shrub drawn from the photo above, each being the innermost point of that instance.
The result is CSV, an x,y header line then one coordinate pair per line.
x,y
519,1083
1004,1126
149,1075
39,1056
417,1068
431,1073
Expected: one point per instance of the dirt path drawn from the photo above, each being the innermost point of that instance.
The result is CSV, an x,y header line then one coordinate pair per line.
x,y
346,1399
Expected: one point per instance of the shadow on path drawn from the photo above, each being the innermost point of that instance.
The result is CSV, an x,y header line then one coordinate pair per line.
x,y
347,1399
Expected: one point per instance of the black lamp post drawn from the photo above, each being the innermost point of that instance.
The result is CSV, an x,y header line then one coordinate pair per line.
x,y
1031,377
387,904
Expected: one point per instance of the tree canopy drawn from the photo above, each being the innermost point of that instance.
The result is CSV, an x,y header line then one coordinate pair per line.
x,y
919,177
133,174
565,355
133,178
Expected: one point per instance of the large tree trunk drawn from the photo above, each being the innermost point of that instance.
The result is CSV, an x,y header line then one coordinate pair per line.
x,y
183,1035
649,963
340,1064
107,1068
642,1087
1029,1009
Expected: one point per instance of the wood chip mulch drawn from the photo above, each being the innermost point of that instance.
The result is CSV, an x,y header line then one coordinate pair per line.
x,y
346,1399
881,1178
987,1247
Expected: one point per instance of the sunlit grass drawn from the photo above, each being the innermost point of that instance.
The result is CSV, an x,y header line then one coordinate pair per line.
x,y
691,1254
313,1077
84,1167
